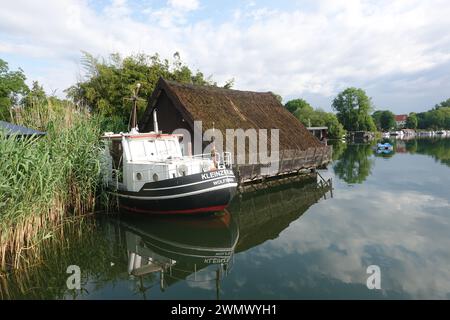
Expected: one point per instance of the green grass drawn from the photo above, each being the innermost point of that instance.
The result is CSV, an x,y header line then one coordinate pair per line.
x,y
45,180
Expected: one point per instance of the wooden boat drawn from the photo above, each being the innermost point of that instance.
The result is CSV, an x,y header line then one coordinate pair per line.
x,y
149,174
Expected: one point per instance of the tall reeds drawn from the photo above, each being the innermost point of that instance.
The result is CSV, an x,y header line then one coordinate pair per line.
x,y
44,180
80,241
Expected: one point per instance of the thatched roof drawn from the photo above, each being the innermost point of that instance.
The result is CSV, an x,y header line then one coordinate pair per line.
x,y
233,109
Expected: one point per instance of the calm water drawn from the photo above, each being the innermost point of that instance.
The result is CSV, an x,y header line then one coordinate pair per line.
x,y
297,240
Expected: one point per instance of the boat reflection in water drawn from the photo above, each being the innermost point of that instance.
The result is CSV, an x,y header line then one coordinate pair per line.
x,y
180,248
200,249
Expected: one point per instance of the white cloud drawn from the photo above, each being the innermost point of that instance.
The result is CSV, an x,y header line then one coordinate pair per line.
x,y
292,52
403,230
187,5
118,9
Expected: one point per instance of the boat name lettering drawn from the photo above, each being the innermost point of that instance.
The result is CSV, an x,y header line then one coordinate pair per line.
x,y
217,260
215,174
223,181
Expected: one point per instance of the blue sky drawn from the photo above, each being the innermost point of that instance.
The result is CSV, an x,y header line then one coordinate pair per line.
x,y
398,51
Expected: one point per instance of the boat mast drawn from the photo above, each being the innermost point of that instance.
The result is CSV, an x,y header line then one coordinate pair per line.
x,y
134,98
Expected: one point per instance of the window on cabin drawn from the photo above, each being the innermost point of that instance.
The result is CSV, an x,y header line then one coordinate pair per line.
x,y
172,148
150,148
162,149
138,150
116,153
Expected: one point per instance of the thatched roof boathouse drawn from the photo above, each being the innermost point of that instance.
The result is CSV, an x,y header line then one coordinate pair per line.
x,y
179,106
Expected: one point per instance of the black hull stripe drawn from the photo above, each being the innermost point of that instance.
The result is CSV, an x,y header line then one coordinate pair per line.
x,y
183,188
184,180
139,196
189,184
216,199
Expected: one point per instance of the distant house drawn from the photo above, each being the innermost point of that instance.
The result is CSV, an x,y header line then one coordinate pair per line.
x,y
400,120
320,133
179,105
20,131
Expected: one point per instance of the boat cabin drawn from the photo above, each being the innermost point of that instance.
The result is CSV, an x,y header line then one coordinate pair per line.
x,y
134,159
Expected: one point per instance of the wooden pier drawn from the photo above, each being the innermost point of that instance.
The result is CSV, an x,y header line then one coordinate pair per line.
x,y
289,162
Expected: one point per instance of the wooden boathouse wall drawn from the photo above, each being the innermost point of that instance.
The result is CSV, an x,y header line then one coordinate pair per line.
x,y
290,162
180,105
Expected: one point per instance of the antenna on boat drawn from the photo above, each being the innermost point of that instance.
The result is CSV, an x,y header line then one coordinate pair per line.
x,y
133,122
213,149
214,138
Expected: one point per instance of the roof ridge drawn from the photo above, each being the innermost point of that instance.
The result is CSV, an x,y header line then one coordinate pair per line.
x,y
211,87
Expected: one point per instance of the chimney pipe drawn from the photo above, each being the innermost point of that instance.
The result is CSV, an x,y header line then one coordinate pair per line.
x,y
155,122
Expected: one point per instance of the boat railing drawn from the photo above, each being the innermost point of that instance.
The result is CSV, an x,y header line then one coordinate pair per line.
x,y
222,160
183,169
227,159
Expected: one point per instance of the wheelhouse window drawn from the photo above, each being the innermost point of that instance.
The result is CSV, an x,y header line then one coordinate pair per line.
x,y
173,148
162,148
154,149
138,150
150,148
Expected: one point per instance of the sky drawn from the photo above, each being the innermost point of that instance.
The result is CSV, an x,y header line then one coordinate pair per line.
x,y
397,51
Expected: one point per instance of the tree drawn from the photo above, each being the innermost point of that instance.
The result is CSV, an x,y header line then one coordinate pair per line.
x,y
335,128
315,117
376,118
35,95
355,164
440,118
12,87
443,104
387,120
297,104
353,106
411,121
110,82
434,119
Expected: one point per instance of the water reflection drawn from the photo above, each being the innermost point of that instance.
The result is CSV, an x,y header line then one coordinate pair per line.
x,y
199,250
263,214
176,249
134,256
355,163
438,148
392,212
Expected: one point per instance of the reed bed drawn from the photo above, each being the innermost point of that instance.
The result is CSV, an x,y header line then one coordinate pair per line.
x,y
79,241
43,181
